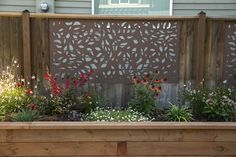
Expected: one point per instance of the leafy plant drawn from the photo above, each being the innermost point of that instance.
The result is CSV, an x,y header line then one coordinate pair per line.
x,y
68,97
220,105
27,115
116,115
13,94
146,90
213,104
87,102
179,113
197,99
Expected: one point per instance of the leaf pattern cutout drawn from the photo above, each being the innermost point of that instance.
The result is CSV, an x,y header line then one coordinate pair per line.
x,y
229,67
115,49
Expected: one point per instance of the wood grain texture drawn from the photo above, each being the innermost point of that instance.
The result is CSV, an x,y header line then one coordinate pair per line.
x,y
181,148
26,46
50,149
109,139
12,136
117,125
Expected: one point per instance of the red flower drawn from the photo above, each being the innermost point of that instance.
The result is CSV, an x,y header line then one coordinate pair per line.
x,y
75,83
91,71
159,88
82,75
56,89
145,82
67,83
19,84
32,106
156,81
152,87
47,76
29,91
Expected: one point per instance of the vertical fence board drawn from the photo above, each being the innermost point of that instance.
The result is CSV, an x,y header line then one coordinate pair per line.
x,y
182,52
40,50
1,43
189,51
220,52
200,49
208,50
6,42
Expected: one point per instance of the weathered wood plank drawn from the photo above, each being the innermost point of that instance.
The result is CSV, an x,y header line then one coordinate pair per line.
x,y
117,125
1,43
182,53
181,148
6,42
200,49
51,149
208,50
26,45
220,52
10,136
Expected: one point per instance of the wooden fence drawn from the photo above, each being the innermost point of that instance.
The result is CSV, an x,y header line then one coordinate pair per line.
x,y
203,52
85,139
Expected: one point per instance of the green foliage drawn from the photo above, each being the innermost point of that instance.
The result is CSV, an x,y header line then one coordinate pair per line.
x,y
87,102
116,115
146,90
213,104
144,99
197,100
69,100
12,100
27,115
179,114
220,105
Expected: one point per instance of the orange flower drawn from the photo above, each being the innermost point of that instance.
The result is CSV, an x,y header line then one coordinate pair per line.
x,y
156,81
145,82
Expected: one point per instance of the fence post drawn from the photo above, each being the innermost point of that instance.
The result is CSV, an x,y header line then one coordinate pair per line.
x,y
200,49
26,45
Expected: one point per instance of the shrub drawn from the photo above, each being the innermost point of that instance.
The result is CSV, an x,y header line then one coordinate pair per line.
x,y
220,105
179,113
116,115
197,100
146,90
213,104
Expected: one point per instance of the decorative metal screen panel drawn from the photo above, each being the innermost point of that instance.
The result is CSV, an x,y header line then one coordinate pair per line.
x,y
115,49
229,70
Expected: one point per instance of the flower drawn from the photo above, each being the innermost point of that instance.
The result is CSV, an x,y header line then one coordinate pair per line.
x,y
156,81
19,84
47,76
29,91
32,106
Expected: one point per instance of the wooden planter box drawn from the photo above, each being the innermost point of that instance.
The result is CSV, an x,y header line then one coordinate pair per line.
x,y
117,139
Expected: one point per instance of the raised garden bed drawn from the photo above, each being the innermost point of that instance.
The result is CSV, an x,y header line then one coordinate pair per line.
x,y
118,139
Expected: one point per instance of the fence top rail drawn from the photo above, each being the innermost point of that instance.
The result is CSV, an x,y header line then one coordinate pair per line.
x,y
10,14
111,17
117,125
221,18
